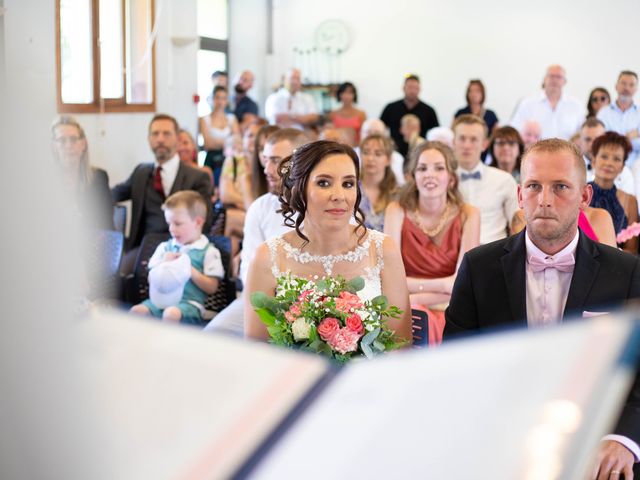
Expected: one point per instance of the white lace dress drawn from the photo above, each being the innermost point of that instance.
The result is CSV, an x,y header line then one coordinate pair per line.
x,y
366,261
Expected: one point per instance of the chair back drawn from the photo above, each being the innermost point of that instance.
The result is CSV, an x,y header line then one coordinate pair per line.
x,y
420,327
103,264
120,218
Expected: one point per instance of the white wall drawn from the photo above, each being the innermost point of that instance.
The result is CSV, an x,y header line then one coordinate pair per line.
x,y
505,43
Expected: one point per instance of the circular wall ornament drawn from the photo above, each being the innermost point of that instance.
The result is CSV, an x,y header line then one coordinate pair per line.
x,y
332,36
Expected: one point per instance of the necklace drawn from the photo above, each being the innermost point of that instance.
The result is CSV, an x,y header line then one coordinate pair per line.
x,y
441,223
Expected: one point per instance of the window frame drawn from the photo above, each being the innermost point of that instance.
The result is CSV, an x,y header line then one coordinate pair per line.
x,y
104,105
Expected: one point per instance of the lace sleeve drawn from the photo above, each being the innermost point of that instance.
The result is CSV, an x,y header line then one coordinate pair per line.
x,y
273,244
378,240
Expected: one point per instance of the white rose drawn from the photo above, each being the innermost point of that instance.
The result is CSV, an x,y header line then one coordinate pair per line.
x,y
300,329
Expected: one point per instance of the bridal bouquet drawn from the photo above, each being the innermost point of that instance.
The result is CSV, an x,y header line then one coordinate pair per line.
x,y
327,317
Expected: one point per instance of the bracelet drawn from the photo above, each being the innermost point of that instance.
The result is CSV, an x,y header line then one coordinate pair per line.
x,y
420,287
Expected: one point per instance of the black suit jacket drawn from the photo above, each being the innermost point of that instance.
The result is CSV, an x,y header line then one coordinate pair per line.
x,y
135,187
490,291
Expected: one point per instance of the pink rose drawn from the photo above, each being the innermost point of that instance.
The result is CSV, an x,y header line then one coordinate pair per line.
x,y
328,328
347,301
344,341
354,323
293,313
303,296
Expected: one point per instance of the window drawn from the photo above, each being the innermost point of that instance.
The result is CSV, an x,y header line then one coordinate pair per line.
x,y
105,56
214,45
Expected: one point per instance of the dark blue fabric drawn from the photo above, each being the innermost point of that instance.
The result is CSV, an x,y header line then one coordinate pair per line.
x,y
608,200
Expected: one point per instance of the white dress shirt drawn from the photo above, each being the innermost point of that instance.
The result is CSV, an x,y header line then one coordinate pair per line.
x,y
283,102
495,195
261,223
561,122
623,122
168,173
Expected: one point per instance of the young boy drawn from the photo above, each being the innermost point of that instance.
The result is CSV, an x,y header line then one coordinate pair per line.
x,y
185,269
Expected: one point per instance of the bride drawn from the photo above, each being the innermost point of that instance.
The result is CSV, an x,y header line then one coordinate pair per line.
x,y
319,196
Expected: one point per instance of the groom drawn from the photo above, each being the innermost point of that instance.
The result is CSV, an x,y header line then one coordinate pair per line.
x,y
549,271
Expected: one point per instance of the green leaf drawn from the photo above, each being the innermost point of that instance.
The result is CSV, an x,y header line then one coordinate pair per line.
x,y
259,299
379,301
266,316
355,284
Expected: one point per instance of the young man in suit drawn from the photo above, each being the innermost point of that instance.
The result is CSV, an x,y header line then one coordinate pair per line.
x,y
151,183
549,271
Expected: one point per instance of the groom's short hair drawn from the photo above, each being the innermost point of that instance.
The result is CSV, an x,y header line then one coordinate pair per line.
x,y
556,145
295,137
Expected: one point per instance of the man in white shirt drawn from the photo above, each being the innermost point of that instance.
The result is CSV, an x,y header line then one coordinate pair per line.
x,y
591,129
623,117
559,116
490,190
261,223
548,272
289,107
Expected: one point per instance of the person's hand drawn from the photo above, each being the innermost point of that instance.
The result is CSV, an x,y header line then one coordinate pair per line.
x,y
613,461
447,284
631,134
168,256
283,118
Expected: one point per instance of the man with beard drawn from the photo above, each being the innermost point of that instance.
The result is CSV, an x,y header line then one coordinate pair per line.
x,y
262,222
244,108
150,183
548,272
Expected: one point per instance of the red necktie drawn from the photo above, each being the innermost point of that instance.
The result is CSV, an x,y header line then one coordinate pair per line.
x,y
157,181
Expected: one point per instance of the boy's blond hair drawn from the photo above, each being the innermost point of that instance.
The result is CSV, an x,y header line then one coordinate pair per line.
x,y
188,199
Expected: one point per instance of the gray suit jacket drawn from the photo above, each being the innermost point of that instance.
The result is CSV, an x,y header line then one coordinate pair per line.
x,y
135,187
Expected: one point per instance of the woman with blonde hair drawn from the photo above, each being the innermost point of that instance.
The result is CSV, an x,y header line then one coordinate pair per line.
x,y
89,185
434,229
377,181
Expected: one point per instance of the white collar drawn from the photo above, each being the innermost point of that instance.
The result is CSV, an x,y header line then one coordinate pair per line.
x,y
534,251
170,165
199,244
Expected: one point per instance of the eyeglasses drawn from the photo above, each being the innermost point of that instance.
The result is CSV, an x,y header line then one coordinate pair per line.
x,y
598,99
67,140
501,143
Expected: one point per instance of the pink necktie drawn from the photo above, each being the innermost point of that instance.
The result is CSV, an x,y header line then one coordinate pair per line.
x,y
564,263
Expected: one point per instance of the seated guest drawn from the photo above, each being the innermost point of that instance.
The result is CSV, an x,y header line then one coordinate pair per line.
x,y
374,125
531,132
610,151
490,190
475,105
215,129
235,188
591,129
506,149
188,152
88,185
377,181
434,229
410,131
263,221
596,224
151,183
559,115
348,116
598,98
411,103
185,269
290,107
547,273
259,185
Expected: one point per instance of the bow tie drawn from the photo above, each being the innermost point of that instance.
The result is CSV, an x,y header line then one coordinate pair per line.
x,y
467,176
564,263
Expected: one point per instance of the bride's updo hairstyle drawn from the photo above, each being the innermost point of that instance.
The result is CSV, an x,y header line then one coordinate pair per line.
x,y
295,171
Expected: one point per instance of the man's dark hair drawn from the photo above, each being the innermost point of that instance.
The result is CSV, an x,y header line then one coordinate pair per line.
x,y
411,76
628,72
164,116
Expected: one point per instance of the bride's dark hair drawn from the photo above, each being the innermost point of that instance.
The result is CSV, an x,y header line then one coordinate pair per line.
x,y
295,170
